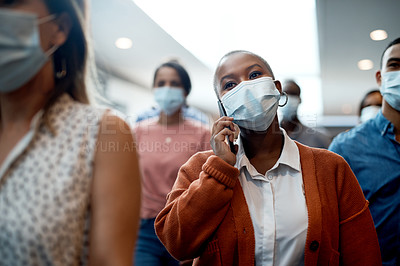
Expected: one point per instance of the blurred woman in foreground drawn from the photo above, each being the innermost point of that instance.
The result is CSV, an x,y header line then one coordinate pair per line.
x,y
66,196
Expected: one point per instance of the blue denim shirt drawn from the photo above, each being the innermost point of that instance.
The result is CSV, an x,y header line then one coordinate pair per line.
x,y
373,154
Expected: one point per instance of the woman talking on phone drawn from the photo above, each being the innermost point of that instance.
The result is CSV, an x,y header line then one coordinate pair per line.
x,y
270,201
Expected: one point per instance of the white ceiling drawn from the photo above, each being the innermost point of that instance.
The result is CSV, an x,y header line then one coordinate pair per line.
x,y
151,46
343,37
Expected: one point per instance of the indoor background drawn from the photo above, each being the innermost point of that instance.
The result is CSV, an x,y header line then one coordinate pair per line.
x,y
331,49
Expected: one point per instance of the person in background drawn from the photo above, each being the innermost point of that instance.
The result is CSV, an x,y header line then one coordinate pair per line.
x,y
65,197
187,111
372,150
164,143
370,105
270,200
291,123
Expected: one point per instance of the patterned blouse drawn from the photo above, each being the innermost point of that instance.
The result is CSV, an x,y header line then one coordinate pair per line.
x,y
45,187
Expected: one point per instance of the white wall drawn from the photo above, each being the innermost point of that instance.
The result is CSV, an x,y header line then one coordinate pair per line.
x,y
134,97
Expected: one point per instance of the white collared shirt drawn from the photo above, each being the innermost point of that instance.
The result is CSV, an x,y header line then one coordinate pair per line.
x,y
277,206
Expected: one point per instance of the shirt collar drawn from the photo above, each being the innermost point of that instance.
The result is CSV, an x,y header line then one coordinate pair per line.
x,y
382,123
290,156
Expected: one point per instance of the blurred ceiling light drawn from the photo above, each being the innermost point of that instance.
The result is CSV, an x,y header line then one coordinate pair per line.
x,y
123,43
365,64
378,35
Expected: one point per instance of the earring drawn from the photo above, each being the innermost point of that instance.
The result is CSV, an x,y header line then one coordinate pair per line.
x,y
281,105
63,72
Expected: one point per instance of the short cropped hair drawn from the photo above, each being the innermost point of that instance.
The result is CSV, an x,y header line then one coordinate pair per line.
x,y
394,42
237,52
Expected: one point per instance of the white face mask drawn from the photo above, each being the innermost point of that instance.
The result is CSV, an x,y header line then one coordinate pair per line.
x,y
21,55
253,103
169,99
390,88
369,112
289,111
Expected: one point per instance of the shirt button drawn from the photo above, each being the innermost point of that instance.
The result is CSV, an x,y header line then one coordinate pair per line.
x,y
269,177
314,245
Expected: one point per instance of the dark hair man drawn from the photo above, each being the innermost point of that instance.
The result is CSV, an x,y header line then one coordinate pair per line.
x,y
372,150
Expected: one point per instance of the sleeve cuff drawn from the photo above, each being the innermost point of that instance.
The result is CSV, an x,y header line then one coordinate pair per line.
x,y
221,171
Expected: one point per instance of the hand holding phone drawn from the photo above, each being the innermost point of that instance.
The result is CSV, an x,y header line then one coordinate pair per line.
x,y
222,112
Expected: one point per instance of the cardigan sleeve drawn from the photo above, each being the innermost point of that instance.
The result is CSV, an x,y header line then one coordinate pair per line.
x,y
196,205
358,239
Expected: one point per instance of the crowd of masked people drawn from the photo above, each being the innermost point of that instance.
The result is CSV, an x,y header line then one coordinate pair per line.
x,y
249,188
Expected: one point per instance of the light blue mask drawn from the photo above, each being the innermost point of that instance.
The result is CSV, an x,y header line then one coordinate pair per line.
x,y
289,111
169,99
21,55
253,103
369,112
390,88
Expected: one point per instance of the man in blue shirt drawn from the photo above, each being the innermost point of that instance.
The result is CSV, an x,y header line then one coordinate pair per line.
x,y
372,150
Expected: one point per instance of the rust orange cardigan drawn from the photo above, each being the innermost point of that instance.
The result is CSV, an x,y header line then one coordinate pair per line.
x,y
206,216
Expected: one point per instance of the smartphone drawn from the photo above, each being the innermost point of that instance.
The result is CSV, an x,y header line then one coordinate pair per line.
x,y
222,112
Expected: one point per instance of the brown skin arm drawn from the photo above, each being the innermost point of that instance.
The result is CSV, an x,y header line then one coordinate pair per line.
x,y
115,197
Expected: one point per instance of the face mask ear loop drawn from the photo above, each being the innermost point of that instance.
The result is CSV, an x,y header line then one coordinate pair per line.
x,y
51,50
284,93
46,19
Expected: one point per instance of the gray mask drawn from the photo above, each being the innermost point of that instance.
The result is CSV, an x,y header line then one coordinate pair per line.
x,y
21,55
